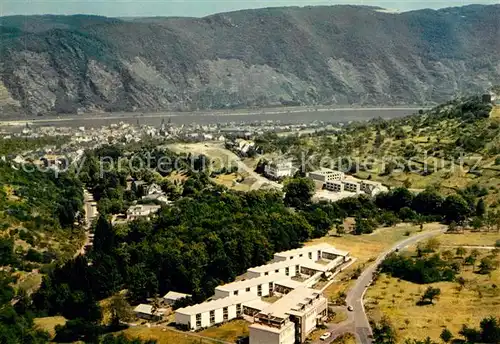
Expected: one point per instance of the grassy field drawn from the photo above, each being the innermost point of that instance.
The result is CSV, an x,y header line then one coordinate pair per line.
x,y
230,181
397,300
219,157
345,339
228,332
495,112
469,239
339,317
49,323
366,248
29,282
165,336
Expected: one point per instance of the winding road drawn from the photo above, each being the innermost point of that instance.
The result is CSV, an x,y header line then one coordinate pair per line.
x,y
89,216
357,320
217,150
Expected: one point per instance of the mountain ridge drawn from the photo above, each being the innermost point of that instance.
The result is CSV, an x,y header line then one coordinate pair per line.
x,y
345,55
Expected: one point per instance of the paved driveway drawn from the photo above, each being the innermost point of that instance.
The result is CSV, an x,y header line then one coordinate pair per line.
x,y
357,322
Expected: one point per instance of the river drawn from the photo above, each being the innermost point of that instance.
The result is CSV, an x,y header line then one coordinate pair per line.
x,y
283,116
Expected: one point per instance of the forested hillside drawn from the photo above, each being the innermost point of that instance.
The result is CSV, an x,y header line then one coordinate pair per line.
x,y
37,215
266,57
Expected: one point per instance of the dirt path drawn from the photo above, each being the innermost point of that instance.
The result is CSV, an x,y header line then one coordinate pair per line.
x,y
89,216
217,151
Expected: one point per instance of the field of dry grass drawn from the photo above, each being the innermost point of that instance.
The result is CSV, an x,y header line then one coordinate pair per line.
x,y
49,323
345,339
469,239
228,332
495,112
164,336
397,300
219,157
230,181
29,281
366,248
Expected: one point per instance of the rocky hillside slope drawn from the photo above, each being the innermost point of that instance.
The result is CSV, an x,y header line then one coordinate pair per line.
x,y
277,56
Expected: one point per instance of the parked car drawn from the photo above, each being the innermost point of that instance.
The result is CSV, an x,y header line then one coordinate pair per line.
x,y
350,308
325,336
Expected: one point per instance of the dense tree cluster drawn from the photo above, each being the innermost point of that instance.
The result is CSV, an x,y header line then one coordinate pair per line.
x,y
488,332
429,203
16,324
107,171
203,240
15,145
47,199
35,206
425,269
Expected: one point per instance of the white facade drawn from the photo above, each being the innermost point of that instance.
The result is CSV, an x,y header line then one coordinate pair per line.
x,y
352,186
285,267
313,252
278,169
260,286
335,186
210,313
141,210
310,252
302,308
325,175
262,334
294,315
172,297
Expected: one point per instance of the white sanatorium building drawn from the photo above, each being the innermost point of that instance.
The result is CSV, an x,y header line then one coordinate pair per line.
x,y
290,319
278,169
336,181
325,174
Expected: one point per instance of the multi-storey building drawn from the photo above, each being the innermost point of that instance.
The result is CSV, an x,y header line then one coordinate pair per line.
x,y
260,286
313,252
325,174
336,186
351,186
290,319
278,170
214,312
287,321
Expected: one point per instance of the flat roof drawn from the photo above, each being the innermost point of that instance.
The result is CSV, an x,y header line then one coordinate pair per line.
x,y
323,171
273,266
251,282
333,250
217,304
287,303
315,266
369,182
265,328
257,304
143,308
306,249
297,251
173,295
292,284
